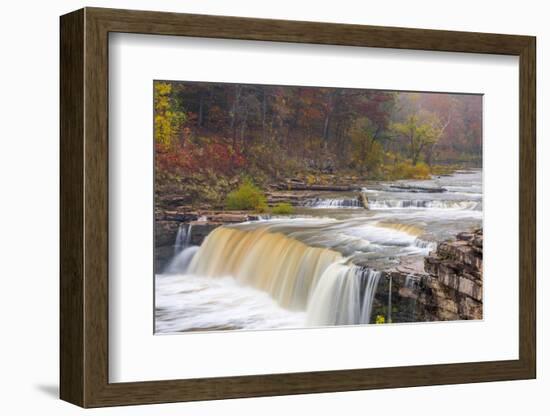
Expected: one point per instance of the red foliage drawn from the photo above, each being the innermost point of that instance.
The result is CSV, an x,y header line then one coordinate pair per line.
x,y
212,155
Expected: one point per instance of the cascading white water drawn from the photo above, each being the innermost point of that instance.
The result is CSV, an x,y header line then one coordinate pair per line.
x,y
181,260
372,278
339,298
333,203
429,245
410,281
181,238
336,298
422,203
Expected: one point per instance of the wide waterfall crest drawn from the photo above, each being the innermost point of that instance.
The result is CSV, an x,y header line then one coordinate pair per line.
x,y
285,268
299,277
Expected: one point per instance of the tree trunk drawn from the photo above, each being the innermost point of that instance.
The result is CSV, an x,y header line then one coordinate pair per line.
x,y
234,108
326,127
264,111
328,115
413,153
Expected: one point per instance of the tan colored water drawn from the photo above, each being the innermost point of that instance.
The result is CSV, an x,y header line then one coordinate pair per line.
x,y
409,229
285,268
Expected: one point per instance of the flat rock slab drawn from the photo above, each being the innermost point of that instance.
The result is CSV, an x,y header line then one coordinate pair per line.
x,y
415,189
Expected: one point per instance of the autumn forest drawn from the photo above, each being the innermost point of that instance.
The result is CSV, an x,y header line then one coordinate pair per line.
x,y
211,138
295,207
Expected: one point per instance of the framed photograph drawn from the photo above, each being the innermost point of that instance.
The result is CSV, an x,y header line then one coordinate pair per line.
x,y
257,207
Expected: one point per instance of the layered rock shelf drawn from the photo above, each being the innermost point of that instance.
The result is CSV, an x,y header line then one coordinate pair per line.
x,y
455,286
446,285
294,198
459,264
416,189
298,186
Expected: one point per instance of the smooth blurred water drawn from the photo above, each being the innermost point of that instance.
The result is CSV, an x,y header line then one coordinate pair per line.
x,y
400,222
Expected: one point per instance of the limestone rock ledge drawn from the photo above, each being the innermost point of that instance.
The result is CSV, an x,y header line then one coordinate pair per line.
x,y
444,286
453,288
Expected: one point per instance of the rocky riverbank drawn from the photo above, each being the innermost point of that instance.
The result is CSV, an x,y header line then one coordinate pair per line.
x,y
446,285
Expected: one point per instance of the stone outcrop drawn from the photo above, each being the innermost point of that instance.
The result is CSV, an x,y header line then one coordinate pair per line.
x,y
301,186
459,264
294,198
186,215
165,236
198,225
445,285
454,286
416,189
363,200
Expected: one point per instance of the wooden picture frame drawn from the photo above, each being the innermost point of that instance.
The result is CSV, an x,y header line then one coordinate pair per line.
x,y
84,207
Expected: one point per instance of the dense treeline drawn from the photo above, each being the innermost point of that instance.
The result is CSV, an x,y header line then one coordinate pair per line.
x,y
211,136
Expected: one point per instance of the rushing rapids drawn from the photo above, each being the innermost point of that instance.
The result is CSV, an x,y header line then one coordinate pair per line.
x,y
420,203
322,267
327,203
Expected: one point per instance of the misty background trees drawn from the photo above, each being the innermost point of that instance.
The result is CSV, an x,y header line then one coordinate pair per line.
x,y
211,136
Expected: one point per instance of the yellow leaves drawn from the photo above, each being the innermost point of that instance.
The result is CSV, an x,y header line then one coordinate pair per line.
x,y
406,170
168,120
162,88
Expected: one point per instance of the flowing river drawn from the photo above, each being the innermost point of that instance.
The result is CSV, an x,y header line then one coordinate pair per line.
x,y
319,267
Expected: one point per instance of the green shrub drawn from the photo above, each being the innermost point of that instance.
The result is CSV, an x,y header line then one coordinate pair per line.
x,y
282,208
247,197
380,319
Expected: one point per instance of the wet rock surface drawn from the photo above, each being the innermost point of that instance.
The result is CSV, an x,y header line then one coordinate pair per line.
x,y
446,285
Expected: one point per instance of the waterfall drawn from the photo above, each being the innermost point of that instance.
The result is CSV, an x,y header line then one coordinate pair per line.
x,y
183,252
372,278
339,299
411,281
181,260
389,316
299,277
333,203
428,245
407,311
183,237
285,268
424,203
